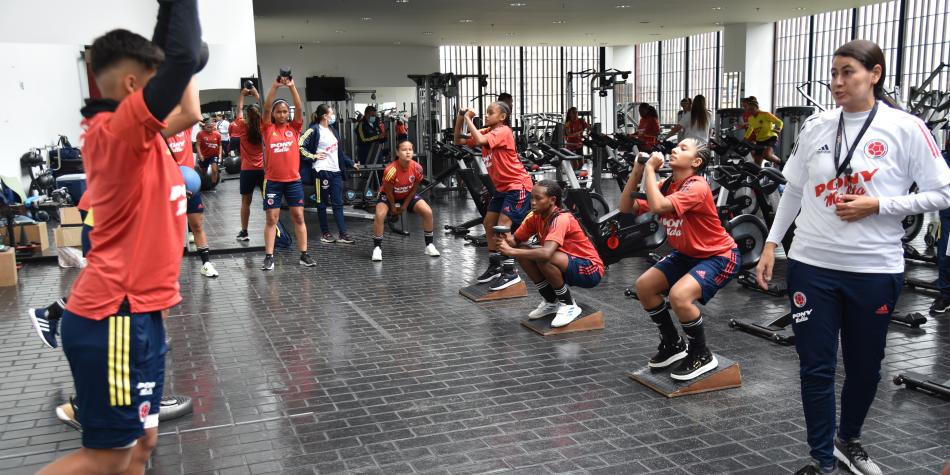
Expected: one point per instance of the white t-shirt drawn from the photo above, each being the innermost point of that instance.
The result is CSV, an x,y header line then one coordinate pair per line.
x,y
223,129
329,145
896,151
690,132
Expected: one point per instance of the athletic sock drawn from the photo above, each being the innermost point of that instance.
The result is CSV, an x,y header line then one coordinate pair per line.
x,y
696,335
661,317
508,265
55,309
428,236
268,255
205,254
546,291
377,241
564,295
495,258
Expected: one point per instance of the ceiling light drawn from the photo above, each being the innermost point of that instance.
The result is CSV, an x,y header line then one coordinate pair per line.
x,y
800,8
654,34
644,22
717,8
718,23
341,31
397,42
559,22
509,34
427,33
402,1
622,6
465,20
367,18
517,5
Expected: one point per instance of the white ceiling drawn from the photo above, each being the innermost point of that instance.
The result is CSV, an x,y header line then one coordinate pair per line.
x,y
496,22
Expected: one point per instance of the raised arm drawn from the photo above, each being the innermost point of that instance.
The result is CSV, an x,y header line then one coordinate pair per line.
x,y
628,202
178,32
265,107
186,114
298,105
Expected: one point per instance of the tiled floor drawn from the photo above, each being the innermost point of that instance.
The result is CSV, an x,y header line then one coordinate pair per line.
x,y
357,366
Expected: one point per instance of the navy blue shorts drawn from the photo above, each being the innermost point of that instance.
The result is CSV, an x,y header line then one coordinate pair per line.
x,y
412,202
195,205
205,163
118,367
513,204
712,273
275,191
582,272
251,179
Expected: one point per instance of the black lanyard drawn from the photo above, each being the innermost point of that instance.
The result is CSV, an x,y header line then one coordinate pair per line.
x,y
846,165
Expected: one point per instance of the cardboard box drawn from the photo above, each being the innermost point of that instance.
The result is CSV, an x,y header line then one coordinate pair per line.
x,y
68,236
8,268
34,233
70,216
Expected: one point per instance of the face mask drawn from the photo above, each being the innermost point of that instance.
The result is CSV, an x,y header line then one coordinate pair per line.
x,y
332,119
371,119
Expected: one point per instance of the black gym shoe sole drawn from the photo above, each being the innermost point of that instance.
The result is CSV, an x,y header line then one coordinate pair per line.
x,y
936,309
667,362
711,365
484,280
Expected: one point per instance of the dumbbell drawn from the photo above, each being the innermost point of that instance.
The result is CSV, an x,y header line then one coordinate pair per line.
x,y
643,158
501,229
249,85
284,73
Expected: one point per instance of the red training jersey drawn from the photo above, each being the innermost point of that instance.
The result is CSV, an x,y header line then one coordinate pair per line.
x,y
83,204
575,126
180,148
282,163
693,227
566,232
252,155
140,200
501,160
209,143
647,129
401,179
234,131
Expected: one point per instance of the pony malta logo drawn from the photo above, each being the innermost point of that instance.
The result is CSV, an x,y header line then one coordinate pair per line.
x,y
875,149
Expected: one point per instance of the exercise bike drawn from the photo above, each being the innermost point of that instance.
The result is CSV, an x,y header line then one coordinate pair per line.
x,y
615,235
470,171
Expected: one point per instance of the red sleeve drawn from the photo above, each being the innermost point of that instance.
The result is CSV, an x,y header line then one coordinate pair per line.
x,y
692,193
528,228
217,137
133,123
642,207
558,229
419,175
653,126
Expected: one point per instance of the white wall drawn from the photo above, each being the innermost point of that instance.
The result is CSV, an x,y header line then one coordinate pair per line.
x,y
622,58
44,80
382,68
756,63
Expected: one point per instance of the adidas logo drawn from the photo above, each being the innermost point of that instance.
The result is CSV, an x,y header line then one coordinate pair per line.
x,y
883,310
824,149
701,274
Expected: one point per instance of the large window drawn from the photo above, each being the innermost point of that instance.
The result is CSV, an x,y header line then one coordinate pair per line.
x,y
672,78
648,73
831,30
704,60
791,56
541,89
880,23
927,43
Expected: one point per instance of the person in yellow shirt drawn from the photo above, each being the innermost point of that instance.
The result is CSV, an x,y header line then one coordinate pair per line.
x,y
763,130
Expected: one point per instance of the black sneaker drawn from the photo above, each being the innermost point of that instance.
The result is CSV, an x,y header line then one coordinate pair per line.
x,y
504,281
853,456
668,353
327,238
242,236
490,274
45,327
345,239
941,304
268,263
814,469
695,364
306,260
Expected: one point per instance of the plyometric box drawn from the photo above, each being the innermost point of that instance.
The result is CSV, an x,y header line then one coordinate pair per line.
x,y
480,292
590,319
725,376
25,234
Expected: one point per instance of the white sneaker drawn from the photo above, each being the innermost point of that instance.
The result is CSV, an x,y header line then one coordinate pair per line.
x,y
377,254
566,314
208,270
544,309
432,251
